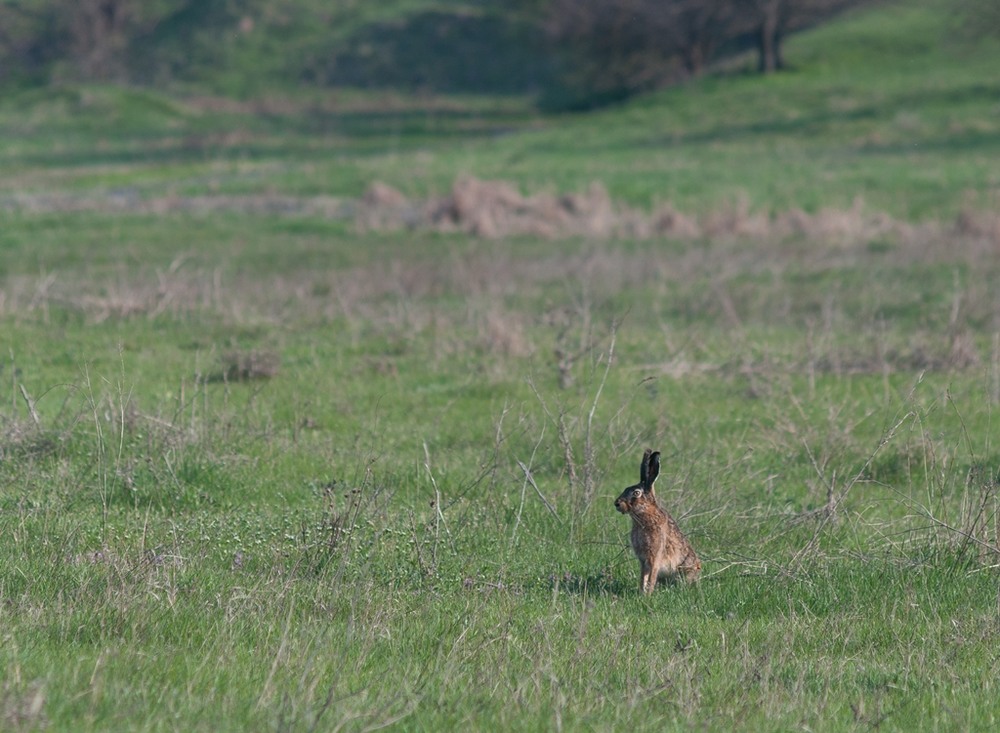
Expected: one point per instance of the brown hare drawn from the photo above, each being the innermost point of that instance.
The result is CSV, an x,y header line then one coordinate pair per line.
x,y
662,549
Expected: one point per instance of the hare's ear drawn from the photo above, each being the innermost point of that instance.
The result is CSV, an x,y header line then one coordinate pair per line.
x,y
644,479
652,469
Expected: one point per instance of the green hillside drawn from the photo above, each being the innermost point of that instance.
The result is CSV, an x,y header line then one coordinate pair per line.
x,y
882,105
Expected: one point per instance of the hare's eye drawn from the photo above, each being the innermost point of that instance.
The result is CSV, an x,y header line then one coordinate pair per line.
x,y
636,493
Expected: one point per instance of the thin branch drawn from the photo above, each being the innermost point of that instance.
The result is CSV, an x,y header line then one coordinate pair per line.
x,y
31,406
531,480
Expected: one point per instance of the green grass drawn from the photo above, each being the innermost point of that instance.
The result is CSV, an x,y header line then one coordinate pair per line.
x,y
349,539
160,519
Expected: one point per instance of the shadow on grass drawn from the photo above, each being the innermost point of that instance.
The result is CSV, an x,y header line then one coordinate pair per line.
x,y
618,581
604,582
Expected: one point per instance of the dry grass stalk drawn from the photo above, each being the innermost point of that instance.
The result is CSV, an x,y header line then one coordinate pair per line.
x,y
22,707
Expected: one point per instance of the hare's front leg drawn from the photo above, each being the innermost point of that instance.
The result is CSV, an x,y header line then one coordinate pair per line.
x,y
646,579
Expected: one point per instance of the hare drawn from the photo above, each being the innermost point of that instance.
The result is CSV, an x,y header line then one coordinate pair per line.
x,y
662,549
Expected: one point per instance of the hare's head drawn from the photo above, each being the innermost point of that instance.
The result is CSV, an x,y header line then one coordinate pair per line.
x,y
641,492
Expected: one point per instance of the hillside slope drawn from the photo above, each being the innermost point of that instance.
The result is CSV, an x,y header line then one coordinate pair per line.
x,y
879,108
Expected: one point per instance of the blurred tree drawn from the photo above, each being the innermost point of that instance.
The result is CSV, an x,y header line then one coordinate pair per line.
x,y
770,22
112,40
30,37
191,38
980,18
618,47
100,31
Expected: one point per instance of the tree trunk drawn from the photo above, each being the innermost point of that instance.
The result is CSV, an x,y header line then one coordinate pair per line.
x,y
99,29
769,38
694,59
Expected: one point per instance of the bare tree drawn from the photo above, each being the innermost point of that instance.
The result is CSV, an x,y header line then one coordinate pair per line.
x,y
29,36
699,28
631,45
980,18
91,36
100,31
771,21
769,32
623,46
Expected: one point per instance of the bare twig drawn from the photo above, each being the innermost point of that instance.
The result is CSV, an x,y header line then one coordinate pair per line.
x,y
31,406
829,511
524,486
531,480
589,468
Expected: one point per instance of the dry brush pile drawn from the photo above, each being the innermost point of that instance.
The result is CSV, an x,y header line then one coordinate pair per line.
x,y
495,209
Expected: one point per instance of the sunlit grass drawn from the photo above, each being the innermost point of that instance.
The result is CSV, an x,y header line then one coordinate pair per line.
x,y
391,521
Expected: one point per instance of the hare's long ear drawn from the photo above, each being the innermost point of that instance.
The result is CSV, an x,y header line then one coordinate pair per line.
x,y
644,479
652,469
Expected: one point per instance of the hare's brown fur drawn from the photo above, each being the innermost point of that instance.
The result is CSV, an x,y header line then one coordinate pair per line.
x,y
662,549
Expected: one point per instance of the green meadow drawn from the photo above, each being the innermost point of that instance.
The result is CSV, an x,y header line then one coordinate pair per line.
x,y
264,469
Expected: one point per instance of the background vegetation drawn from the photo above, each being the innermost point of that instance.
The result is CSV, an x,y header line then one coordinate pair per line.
x,y
569,54
310,424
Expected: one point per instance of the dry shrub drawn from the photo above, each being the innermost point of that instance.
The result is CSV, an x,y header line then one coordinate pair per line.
x,y
242,366
669,222
130,301
22,707
383,207
923,352
963,353
494,209
21,439
979,527
505,333
736,220
119,296
841,225
497,209
479,207
978,224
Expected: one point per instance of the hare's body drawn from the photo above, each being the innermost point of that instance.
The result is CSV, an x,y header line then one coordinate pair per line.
x,y
662,549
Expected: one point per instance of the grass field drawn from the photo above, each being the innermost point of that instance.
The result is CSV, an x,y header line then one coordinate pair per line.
x,y
260,470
